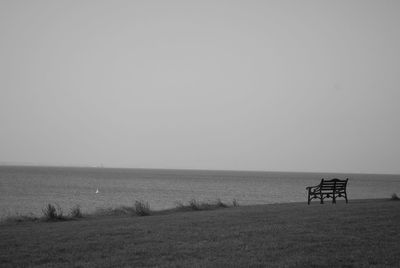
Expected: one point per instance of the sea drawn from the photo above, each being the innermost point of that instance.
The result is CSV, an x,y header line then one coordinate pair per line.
x,y
26,190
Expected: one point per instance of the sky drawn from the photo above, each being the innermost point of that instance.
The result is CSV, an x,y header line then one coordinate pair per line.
x,y
307,85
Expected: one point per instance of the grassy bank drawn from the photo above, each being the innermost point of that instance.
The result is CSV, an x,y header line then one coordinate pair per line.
x,y
359,234
55,213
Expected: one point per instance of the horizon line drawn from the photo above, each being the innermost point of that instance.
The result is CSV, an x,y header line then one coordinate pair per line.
x,y
101,165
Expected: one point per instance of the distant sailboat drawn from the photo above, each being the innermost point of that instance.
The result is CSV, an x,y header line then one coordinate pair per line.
x,y
97,191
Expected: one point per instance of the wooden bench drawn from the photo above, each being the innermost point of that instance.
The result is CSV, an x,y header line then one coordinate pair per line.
x,y
328,189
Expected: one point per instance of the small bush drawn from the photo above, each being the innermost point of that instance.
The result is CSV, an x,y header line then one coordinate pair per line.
x,y
220,204
142,208
179,205
191,205
119,211
394,197
235,203
60,213
194,205
51,213
76,212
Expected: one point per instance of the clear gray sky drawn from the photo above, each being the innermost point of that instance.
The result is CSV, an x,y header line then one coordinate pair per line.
x,y
254,85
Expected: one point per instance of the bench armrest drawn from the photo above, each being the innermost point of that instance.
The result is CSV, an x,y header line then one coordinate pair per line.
x,y
312,187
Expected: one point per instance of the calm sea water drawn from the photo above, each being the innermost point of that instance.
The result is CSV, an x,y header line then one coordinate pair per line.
x,y
25,190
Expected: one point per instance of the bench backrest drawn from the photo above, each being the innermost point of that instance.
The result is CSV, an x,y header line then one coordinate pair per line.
x,y
333,185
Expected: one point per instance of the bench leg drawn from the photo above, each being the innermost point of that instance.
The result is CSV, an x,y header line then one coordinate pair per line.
x,y
333,199
345,196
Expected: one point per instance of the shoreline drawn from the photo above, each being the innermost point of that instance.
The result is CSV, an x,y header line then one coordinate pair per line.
x,y
188,207
142,209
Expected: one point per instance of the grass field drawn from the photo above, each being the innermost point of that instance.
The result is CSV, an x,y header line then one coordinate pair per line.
x,y
363,233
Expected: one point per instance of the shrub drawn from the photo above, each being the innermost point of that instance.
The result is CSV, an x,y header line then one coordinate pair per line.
x,y
235,203
179,205
394,197
76,212
118,211
220,204
142,208
191,205
60,213
194,205
51,213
